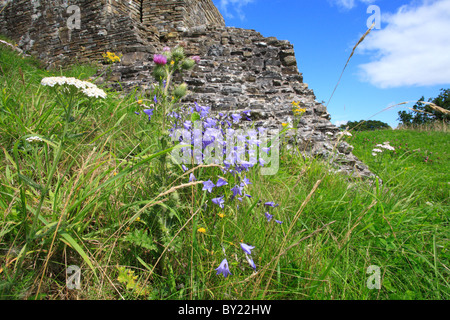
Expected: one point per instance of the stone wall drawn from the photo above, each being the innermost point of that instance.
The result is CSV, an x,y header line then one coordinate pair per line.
x,y
239,69
179,15
40,28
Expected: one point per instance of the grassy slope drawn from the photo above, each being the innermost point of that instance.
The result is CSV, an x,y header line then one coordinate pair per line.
x,y
424,152
418,172
334,229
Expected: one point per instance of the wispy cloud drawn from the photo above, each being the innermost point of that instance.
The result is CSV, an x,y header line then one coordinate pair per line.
x,y
232,8
349,4
413,49
338,123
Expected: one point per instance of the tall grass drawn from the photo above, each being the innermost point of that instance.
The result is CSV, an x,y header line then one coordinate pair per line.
x,y
432,126
113,203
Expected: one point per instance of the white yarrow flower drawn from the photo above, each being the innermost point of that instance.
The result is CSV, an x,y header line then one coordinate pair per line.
x,y
86,87
345,133
388,147
48,81
33,139
94,92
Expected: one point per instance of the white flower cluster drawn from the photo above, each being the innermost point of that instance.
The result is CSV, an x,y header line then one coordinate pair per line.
x,y
88,88
33,139
344,133
94,92
385,145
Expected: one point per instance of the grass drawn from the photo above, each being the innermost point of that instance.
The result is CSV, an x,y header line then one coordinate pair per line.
x,y
98,199
421,154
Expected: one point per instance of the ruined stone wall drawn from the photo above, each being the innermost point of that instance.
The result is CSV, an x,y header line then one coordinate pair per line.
x,y
40,28
179,15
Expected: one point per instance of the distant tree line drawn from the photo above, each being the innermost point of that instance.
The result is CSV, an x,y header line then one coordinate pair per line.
x,y
422,113
365,125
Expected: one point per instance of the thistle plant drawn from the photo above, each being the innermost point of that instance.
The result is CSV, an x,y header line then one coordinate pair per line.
x,y
166,65
167,95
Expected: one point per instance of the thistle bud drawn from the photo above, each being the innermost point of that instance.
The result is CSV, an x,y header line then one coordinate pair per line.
x,y
178,53
180,91
159,73
187,64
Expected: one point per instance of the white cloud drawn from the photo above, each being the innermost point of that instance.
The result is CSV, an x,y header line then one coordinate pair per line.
x,y
349,4
338,123
229,6
411,49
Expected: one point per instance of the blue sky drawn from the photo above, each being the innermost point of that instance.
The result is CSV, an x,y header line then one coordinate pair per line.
x,y
406,58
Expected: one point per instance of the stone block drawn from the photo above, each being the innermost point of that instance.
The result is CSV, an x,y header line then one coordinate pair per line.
x,y
289,61
131,58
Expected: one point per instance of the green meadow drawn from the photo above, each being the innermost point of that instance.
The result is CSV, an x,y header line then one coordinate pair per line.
x,y
98,191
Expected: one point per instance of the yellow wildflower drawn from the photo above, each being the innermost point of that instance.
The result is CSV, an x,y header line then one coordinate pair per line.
x,y
284,124
221,215
111,57
295,103
172,63
139,101
299,110
202,230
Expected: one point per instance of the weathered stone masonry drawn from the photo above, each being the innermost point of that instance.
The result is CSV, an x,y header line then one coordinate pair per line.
x,y
240,69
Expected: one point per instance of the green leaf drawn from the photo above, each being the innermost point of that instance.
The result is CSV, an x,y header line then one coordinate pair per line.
x,y
144,263
172,212
251,208
67,238
8,156
195,116
142,239
30,182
